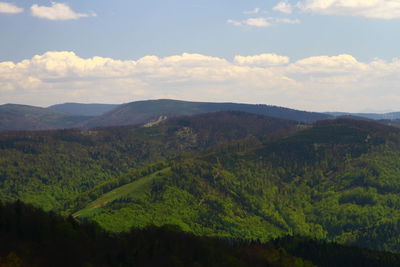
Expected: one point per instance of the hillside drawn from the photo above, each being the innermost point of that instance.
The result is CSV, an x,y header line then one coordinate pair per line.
x,y
22,117
144,111
83,109
51,168
225,174
336,181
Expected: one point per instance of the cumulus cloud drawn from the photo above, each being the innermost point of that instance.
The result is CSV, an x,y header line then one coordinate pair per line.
x,y
315,83
9,8
58,11
328,64
261,60
283,7
378,9
252,22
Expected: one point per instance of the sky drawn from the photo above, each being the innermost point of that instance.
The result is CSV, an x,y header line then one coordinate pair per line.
x,y
318,55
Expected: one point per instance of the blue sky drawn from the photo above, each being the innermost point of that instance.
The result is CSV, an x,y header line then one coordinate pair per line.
x,y
310,54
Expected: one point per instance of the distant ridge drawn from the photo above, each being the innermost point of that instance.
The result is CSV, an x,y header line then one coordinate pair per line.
x,y
372,116
83,109
86,116
23,117
144,111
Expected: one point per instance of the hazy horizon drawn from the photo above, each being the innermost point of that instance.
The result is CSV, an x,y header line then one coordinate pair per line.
x,y
105,103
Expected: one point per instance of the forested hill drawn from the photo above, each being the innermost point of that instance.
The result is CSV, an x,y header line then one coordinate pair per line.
x,y
145,111
338,181
51,168
23,117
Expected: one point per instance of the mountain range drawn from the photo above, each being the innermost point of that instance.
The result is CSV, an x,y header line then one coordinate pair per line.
x,y
86,116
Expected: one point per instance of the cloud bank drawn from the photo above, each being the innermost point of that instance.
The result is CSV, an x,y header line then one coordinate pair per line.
x,y
315,83
57,11
377,9
9,8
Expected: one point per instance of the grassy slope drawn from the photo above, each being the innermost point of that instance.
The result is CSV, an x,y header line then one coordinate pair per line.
x,y
137,188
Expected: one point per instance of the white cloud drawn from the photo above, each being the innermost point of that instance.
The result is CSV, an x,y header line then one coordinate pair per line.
x,y
58,11
261,60
340,63
253,11
258,22
252,22
287,21
283,7
10,8
378,9
315,83
234,22
262,22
